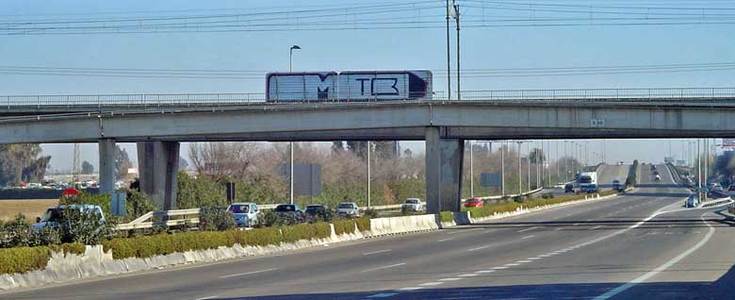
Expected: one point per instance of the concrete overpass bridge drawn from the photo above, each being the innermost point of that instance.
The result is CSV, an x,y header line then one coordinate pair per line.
x,y
158,126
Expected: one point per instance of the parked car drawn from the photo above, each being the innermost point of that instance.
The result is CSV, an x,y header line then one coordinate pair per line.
x,y
412,205
616,185
348,209
288,209
317,212
569,188
474,202
54,216
245,213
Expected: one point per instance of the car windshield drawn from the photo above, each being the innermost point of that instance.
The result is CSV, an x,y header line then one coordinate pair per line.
x,y
412,201
585,179
346,205
239,209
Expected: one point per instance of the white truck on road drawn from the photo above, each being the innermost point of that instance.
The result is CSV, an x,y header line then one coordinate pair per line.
x,y
587,182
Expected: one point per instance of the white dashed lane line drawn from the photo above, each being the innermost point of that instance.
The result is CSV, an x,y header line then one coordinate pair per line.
x,y
247,273
383,267
527,237
377,252
527,229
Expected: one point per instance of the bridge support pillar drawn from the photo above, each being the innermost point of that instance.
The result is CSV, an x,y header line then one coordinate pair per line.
x,y
158,163
443,171
107,176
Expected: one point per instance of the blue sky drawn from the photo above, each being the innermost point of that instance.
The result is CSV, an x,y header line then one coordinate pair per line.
x,y
485,48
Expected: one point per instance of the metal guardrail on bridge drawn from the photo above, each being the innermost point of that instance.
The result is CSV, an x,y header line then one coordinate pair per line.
x,y
216,99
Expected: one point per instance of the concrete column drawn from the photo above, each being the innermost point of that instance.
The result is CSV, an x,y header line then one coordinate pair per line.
x,y
443,171
158,163
107,176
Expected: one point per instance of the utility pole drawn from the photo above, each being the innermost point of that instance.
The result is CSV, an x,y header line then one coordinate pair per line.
x,y
291,144
472,173
368,173
520,174
502,168
456,20
699,173
449,62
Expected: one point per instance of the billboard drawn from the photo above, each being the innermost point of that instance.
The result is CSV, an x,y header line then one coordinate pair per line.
x,y
307,180
349,86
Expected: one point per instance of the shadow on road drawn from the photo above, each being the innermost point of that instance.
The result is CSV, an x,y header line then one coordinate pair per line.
x,y
720,289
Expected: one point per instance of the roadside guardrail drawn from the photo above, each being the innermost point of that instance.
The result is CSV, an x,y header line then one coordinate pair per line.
x,y
167,218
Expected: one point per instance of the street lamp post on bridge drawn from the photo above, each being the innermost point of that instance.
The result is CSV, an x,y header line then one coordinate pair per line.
x,y
290,144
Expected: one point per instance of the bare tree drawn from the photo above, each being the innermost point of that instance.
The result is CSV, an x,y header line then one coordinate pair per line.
x,y
221,160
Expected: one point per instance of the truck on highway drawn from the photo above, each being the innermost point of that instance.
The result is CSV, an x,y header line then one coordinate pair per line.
x,y
587,182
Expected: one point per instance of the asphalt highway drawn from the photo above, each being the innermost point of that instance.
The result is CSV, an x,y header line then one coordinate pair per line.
x,y
642,245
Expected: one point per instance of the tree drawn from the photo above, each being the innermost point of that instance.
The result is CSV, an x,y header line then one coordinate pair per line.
x,y
122,162
221,160
537,156
87,168
17,160
338,146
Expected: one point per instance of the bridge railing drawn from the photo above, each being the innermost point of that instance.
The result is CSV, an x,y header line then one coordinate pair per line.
x,y
215,99
601,94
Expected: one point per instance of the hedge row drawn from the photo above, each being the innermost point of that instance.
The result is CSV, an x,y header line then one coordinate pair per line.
x,y
162,244
491,209
25,259
446,216
342,226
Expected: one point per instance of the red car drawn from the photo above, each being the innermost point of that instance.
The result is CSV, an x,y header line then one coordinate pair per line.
x,y
473,202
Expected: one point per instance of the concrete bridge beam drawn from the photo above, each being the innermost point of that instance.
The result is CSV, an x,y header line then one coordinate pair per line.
x,y
158,164
443,171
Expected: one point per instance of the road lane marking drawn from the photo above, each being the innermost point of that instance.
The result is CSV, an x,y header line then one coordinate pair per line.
x,y
462,230
479,248
511,265
382,295
661,268
468,275
247,273
500,268
527,237
208,297
485,271
450,279
410,288
523,261
596,227
444,240
433,283
383,267
527,229
377,252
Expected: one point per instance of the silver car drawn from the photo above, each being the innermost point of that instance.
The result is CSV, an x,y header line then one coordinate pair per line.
x,y
348,209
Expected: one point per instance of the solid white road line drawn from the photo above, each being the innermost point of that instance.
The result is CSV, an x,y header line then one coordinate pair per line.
x,y
208,297
527,237
382,295
485,271
377,252
450,279
527,229
383,267
410,288
433,283
479,248
661,268
247,273
444,240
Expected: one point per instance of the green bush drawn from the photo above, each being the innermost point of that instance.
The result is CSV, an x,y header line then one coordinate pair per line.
x,y
370,213
305,232
84,227
342,226
215,218
161,244
446,216
25,259
363,224
138,204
